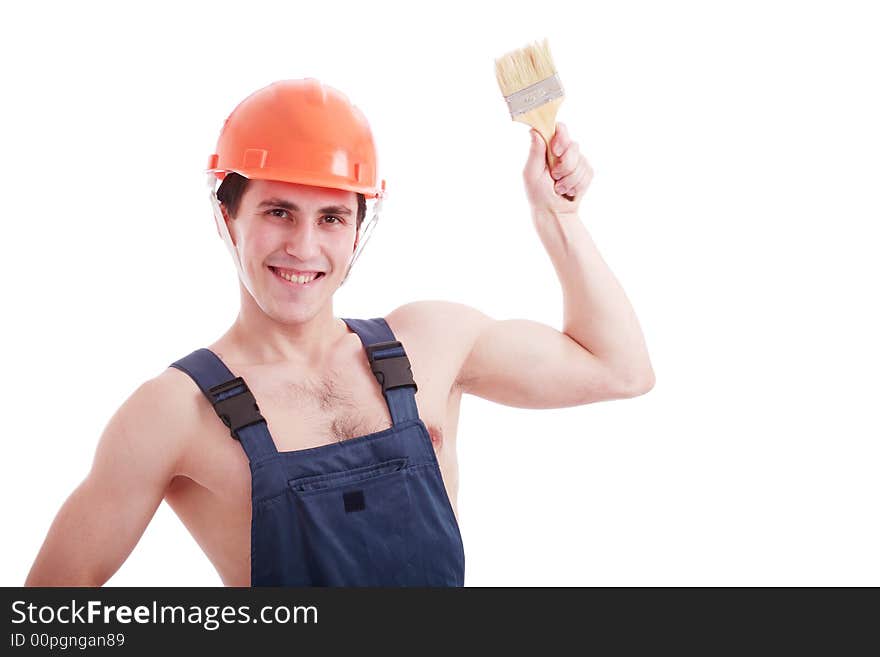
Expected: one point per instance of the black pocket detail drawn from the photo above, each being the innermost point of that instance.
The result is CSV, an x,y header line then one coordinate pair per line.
x,y
354,501
337,479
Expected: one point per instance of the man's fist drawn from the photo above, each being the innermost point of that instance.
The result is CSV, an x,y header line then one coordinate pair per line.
x,y
571,175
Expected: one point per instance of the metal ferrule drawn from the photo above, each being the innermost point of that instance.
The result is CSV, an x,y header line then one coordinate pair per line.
x,y
534,96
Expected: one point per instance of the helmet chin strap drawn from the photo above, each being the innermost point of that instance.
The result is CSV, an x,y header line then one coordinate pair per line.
x,y
366,232
224,230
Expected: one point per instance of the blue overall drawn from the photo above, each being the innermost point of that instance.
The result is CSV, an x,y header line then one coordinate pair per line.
x,y
367,511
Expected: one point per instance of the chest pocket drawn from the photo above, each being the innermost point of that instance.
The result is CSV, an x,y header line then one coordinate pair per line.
x,y
336,480
357,524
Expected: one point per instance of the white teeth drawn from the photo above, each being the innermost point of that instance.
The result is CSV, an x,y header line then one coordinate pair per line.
x,y
304,278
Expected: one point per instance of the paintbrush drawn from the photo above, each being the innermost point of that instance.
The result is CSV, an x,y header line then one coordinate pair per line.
x,y
533,91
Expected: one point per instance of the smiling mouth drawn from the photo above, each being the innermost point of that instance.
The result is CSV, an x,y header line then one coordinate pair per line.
x,y
305,280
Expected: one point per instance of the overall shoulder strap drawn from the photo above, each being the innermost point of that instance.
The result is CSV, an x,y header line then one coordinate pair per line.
x,y
232,400
390,365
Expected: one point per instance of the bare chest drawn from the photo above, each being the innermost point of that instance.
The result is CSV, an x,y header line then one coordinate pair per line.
x,y
308,411
304,411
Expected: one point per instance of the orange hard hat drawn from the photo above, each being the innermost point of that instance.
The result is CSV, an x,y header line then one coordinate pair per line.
x,y
299,131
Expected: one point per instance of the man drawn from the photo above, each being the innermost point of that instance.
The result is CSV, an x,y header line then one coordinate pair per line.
x,y
304,449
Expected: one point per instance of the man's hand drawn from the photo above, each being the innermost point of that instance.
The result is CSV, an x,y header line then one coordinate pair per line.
x,y
572,175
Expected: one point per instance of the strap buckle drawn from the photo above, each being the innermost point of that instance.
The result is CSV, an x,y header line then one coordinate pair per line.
x,y
392,370
239,410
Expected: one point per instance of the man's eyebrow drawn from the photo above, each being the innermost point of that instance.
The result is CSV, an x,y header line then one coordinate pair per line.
x,y
288,205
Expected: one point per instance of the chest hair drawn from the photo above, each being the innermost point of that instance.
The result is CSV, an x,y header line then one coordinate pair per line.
x,y
326,406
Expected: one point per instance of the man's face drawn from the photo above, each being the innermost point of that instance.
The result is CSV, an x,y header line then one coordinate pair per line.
x,y
286,229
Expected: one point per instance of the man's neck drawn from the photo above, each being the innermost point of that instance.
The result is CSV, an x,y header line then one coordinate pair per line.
x,y
261,339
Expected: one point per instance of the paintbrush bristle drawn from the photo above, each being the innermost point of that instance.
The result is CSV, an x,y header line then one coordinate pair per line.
x,y
524,67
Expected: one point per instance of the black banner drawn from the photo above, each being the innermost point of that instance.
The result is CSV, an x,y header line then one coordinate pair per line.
x,y
232,620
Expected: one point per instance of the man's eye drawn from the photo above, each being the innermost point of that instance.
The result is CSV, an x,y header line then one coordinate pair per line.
x,y
274,210
331,216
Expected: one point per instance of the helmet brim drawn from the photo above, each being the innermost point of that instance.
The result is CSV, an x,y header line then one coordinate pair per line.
x,y
304,178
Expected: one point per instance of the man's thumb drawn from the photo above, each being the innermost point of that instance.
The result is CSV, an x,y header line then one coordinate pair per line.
x,y
538,141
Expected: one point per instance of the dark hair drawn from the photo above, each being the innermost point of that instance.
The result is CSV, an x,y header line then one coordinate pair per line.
x,y
232,189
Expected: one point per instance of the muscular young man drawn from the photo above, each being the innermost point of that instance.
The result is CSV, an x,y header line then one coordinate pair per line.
x,y
305,449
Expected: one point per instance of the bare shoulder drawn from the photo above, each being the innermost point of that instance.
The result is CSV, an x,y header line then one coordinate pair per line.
x,y
430,313
442,332
169,394
156,421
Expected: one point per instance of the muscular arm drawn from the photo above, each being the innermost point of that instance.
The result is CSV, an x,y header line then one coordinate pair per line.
x,y
516,362
600,352
103,519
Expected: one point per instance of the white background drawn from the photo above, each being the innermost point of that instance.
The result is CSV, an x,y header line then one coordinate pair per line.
x,y
735,197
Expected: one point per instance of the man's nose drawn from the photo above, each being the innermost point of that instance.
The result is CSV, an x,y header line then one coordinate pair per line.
x,y
303,241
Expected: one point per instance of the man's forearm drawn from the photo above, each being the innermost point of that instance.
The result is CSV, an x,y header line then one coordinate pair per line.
x,y
597,313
